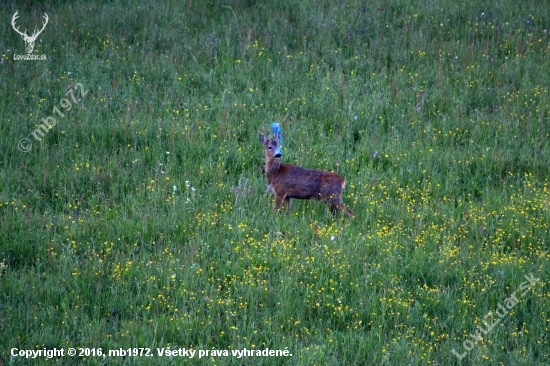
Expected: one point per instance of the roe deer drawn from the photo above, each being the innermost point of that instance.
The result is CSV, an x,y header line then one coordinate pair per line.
x,y
290,181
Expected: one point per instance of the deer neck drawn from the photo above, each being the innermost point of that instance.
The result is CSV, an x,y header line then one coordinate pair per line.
x,y
272,166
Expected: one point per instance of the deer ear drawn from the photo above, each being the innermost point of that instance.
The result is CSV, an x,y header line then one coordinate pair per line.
x,y
262,139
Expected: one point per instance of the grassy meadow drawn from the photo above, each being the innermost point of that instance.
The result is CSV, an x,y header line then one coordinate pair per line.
x,y
140,219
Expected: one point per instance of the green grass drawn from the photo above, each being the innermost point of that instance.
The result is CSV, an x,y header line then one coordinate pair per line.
x,y
141,218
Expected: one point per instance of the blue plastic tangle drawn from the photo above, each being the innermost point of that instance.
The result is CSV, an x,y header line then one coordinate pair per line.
x,y
276,130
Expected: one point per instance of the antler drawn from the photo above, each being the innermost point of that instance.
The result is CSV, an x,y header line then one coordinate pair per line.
x,y
37,32
13,19
24,34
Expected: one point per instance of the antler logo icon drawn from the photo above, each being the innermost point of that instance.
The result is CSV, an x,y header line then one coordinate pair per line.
x,y
29,40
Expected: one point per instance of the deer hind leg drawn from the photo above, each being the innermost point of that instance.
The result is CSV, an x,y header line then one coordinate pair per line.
x,y
336,204
340,206
347,211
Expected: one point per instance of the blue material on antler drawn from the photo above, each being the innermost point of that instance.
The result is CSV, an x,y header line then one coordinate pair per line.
x,y
276,130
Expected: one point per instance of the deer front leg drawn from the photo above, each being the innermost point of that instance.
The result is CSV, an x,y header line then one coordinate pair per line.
x,y
278,202
287,204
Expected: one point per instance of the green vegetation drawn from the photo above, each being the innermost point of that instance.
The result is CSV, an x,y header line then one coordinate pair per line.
x,y
141,219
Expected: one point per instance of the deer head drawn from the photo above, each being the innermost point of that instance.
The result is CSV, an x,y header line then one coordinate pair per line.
x,y
29,40
272,148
